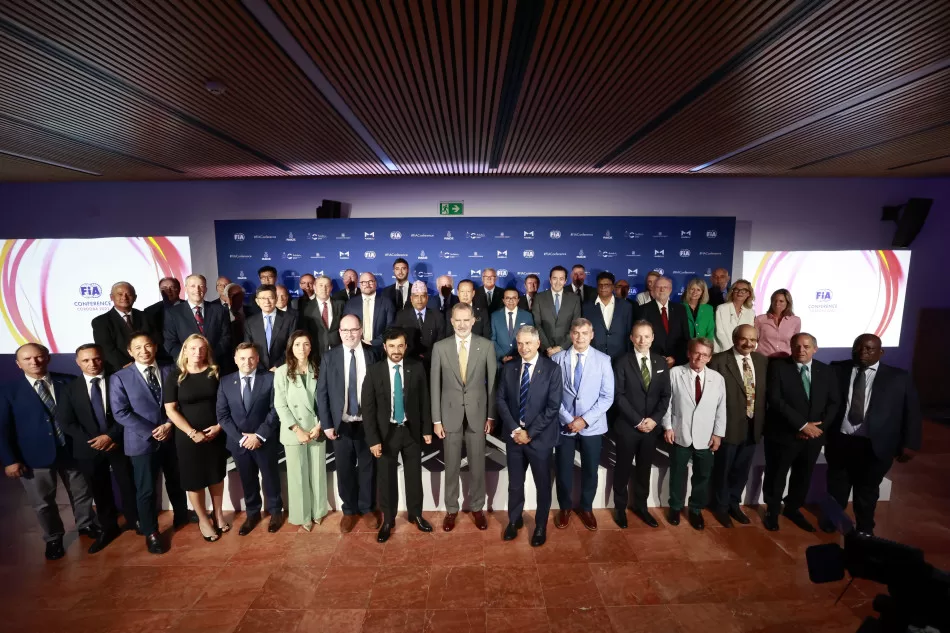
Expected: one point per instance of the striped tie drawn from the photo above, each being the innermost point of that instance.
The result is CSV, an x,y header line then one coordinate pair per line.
x,y
43,392
523,397
199,319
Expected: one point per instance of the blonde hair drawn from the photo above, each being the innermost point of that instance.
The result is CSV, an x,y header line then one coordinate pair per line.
x,y
788,300
183,359
750,301
695,281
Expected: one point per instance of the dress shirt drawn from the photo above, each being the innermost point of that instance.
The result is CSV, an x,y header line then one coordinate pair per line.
x,y
607,309
692,378
776,340
534,365
416,313
142,370
360,375
403,290
529,299
861,429
122,314
574,354
329,305
798,366
468,343
392,387
243,384
512,316
739,358
644,297
192,306
369,303
557,299
489,292
640,358
102,389
45,380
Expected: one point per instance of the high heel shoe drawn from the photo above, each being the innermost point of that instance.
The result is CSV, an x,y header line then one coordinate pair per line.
x,y
224,528
308,525
211,539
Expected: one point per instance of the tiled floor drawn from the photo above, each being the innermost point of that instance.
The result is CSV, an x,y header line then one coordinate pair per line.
x,y
669,579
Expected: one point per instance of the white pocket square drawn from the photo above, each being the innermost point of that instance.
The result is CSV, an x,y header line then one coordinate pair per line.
x,y
660,371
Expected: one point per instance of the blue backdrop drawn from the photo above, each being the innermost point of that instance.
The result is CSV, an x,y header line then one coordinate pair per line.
x,y
629,247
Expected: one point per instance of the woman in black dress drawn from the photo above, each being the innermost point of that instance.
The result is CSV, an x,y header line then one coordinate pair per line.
x,y
191,392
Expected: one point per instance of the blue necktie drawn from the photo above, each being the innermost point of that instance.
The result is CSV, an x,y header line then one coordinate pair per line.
x,y
557,303
246,396
153,385
95,398
268,329
511,325
578,372
43,391
523,397
399,407
352,401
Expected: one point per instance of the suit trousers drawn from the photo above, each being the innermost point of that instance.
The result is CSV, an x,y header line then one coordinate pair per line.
x,y
355,469
590,446
853,466
40,486
399,441
799,456
99,472
474,439
307,482
257,467
731,472
702,471
633,445
518,458
145,470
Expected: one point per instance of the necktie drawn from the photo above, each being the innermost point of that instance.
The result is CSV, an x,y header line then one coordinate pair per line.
x,y
352,401
523,395
699,389
367,320
43,392
806,381
420,319
749,382
399,407
463,360
95,399
325,316
511,325
200,319
400,301
858,395
128,320
246,396
578,372
557,303
268,329
666,319
488,294
645,371
153,385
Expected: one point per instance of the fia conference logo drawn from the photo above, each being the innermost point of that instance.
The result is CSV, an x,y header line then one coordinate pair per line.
x,y
824,301
90,291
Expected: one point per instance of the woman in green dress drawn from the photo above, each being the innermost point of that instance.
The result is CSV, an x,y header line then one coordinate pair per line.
x,y
305,445
699,313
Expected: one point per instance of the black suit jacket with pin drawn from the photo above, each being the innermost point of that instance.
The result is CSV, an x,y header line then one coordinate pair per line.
x,y
78,421
789,408
111,333
633,399
377,402
420,340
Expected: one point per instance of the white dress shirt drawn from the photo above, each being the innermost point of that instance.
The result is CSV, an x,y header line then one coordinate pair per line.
x,y
369,310
644,297
702,378
392,388
640,358
329,305
143,370
122,314
102,389
861,429
360,375
607,309
45,380
739,358
468,344
534,365
511,316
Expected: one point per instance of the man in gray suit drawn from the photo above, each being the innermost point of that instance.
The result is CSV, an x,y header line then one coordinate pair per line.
x,y
463,409
554,310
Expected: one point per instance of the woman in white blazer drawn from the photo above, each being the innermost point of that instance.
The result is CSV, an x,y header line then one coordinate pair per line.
x,y
738,309
295,383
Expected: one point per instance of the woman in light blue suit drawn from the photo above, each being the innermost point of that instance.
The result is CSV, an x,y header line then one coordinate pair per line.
x,y
295,383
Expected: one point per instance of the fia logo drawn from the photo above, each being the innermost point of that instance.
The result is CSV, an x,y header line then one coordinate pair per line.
x,y
529,254
529,235
239,237
660,270
344,255
475,273
684,252
90,291
608,236
632,272
290,237
395,235
502,273
371,235
659,253
555,234
370,254
502,254
686,234
712,234
266,257
824,295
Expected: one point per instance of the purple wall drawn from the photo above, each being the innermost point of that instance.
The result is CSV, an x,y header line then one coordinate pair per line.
x,y
772,214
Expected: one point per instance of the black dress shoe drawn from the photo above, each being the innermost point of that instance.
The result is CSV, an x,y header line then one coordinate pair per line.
x,y
739,515
770,521
182,520
104,539
723,518
153,543
620,518
55,550
249,524
539,537
645,516
826,526
673,516
696,520
275,522
384,531
93,532
511,530
796,517
422,524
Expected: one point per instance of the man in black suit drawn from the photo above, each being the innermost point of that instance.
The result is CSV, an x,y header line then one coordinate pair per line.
x,y
307,283
111,330
170,288
85,416
376,312
398,293
238,313
321,316
339,389
350,287
531,285
718,287
879,421
423,327
528,400
197,316
398,419
466,294
642,383
803,400
489,295
744,371
669,321
611,318
443,300
269,329
583,291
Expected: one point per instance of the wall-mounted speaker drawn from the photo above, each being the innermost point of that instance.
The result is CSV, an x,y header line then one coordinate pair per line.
x,y
329,210
911,221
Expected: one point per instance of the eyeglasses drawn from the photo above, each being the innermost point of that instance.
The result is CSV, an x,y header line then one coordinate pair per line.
x,y
367,283
351,331
745,290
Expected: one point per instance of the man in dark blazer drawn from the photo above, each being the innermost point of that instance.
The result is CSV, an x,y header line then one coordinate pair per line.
x,y
398,420
269,329
307,282
466,295
505,324
111,330
531,285
443,300
350,287
197,316
642,382
718,287
878,421
582,291
803,400
611,318
339,389
35,449
321,317
744,371
85,416
170,289
398,293
489,295
670,323
553,311
373,307
527,400
249,421
423,327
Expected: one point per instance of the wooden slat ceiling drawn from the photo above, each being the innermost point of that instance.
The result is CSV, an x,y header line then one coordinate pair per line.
x,y
94,90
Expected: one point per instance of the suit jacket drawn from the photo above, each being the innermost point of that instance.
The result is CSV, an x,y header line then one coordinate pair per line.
x,y
311,320
893,415
789,408
134,407
615,340
344,296
635,401
435,303
589,293
383,315
283,326
481,326
555,331
715,297
737,424
295,403
695,423
595,394
78,421
507,345
299,303
496,303
110,332
523,302
26,429
420,341
331,384
155,316
180,323
390,293
235,421
377,402
451,400
543,404
704,324
675,342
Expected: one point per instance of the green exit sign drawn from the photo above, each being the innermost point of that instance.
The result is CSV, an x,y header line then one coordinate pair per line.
x,y
452,208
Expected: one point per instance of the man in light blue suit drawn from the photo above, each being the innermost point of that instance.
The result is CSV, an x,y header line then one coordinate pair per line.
x,y
587,393
505,324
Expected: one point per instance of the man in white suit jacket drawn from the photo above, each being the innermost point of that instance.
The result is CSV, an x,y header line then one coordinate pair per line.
x,y
693,426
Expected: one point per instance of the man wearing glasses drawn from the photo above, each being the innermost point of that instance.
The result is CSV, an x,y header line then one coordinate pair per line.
x,y
375,311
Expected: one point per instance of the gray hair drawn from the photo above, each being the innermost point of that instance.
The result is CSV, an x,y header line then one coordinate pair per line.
x,y
227,289
316,279
580,322
530,330
197,276
122,283
814,341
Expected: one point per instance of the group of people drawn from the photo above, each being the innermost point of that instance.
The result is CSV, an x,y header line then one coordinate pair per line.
x,y
182,385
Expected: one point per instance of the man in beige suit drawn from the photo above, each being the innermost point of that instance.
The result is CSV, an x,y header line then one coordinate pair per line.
x,y
463,409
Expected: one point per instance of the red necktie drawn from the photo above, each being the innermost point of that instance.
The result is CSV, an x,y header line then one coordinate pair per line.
x,y
699,390
325,317
666,319
200,319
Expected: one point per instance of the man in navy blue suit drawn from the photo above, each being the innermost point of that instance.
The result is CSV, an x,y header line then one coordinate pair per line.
x,y
611,318
528,399
505,323
443,299
197,316
34,448
250,423
376,312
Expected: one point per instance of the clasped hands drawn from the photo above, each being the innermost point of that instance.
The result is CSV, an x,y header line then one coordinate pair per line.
x,y
577,425
714,441
306,436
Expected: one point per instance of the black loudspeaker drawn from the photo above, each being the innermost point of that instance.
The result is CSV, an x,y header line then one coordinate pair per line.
x,y
329,210
911,221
